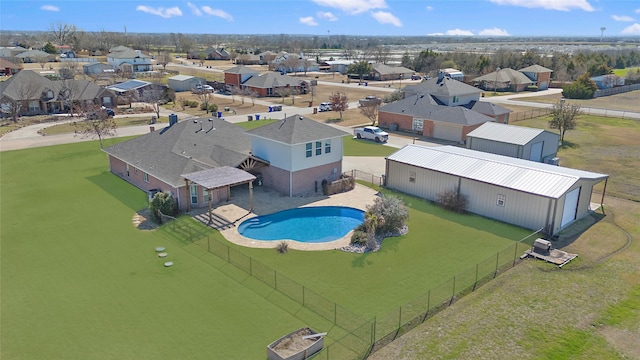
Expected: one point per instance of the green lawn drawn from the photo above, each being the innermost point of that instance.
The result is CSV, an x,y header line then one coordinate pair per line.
x,y
81,281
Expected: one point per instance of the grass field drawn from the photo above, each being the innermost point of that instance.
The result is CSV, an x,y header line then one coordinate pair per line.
x,y
81,281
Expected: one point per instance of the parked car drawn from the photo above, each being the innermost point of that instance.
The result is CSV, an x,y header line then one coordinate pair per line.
x,y
371,133
204,88
416,77
325,106
103,113
370,100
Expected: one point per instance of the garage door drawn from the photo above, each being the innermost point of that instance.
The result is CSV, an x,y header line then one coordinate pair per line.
x,y
447,132
536,152
570,207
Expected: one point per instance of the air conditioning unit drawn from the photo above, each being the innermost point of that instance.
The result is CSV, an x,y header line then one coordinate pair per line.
x,y
552,161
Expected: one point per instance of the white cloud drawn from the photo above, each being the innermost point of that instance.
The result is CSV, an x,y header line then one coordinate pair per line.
x,y
435,34
458,32
308,21
429,8
562,5
162,12
327,15
217,12
194,9
632,30
493,32
384,17
49,8
622,18
353,6
637,11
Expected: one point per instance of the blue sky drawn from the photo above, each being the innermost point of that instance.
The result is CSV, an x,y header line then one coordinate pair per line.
x,y
333,17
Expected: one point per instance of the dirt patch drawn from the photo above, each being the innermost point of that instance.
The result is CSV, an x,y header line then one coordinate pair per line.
x,y
625,341
142,220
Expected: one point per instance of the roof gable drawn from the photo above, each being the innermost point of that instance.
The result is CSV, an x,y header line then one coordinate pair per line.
x,y
296,129
426,107
442,87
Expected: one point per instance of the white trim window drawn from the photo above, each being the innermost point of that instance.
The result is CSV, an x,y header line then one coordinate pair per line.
x,y
127,170
145,177
501,200
327,146
318,148
412,176
418,124
193,190
309,150
205,196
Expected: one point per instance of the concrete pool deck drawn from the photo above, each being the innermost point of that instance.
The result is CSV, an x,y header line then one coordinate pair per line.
x,y
227,215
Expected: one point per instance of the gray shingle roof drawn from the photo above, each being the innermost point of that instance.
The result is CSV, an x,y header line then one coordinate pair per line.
x,y
241,69
183,148
535,69
296,129
446,87
27,82
272,80
384,69
505,76
487,108
427,108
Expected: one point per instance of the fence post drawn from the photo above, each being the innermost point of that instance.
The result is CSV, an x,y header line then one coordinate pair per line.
x,y
208,246
302,295
476,282
515,255
428,305
497,257
275,280
228,255
251,266
453,294
335,313
373,331
399,323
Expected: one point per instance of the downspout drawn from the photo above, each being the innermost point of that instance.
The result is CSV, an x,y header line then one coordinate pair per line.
x,y
188,191
553,222
290,184
603,192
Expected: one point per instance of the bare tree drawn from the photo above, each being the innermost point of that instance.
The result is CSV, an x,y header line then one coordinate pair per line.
x,y
69,95
163,59
283,92
206,98
155,95
370,111
100,126
339,102
68,70
563,117
253,95
62,33
42,60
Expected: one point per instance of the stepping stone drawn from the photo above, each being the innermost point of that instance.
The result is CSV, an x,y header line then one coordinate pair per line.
x,y
159,249
168,263
162,254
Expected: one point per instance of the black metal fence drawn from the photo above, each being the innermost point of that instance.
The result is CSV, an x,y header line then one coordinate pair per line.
x,y
363,336
367,177
616,90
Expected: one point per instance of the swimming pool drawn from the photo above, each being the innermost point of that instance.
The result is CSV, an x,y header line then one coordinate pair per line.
x,y
315,224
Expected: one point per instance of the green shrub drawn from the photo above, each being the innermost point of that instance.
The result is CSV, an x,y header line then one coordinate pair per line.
x,y
162,202
213,108
359,237
394,212
452,200
582,88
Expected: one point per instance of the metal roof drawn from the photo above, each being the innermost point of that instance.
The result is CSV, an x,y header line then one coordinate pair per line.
x,y
128,85
517,174
510,134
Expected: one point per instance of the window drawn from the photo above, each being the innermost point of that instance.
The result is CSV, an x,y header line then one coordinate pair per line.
x,y
194,193
205,195
269,91
145,177
318,148
418,124
412,176
456,99
34,105
309,150
327,146
502,199
127,169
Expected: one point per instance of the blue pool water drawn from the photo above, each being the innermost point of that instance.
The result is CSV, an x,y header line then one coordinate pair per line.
x,y
315,224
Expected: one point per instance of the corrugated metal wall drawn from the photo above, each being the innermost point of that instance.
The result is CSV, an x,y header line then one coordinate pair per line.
x,y
494,147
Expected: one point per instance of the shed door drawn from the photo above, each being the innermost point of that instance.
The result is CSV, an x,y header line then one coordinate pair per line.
x,y
447,132
570,207
536,152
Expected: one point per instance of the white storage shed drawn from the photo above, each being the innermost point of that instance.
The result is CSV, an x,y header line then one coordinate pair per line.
x,y
515,141
184,82
519,192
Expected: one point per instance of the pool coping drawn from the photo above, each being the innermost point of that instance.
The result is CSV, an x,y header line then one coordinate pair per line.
x,y
270,202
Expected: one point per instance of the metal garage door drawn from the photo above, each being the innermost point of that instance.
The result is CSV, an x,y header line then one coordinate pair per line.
x,y
570,207
447,132
536,152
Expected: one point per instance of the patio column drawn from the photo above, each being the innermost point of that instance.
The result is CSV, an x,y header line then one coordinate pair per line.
x,y
188,195
210,196
250,196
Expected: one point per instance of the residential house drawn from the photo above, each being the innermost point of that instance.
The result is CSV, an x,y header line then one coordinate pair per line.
x,y
98,69
35,56
608,81
238,74
188,156
339,66
301,153
8,52
524,193
267,57
540,75
504,80
385,72
210,54
272,84
34,94
515,141
441,108
7,68
129,60
248,59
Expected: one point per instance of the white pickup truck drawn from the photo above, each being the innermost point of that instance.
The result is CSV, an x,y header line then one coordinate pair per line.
x,y
371,133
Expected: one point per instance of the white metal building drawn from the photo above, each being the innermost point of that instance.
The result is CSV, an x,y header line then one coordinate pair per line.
x,y
515,141
184,82
520,192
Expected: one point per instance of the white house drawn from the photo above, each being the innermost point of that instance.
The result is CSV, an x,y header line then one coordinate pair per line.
x,y
301,154
515,141
134,59
516,191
